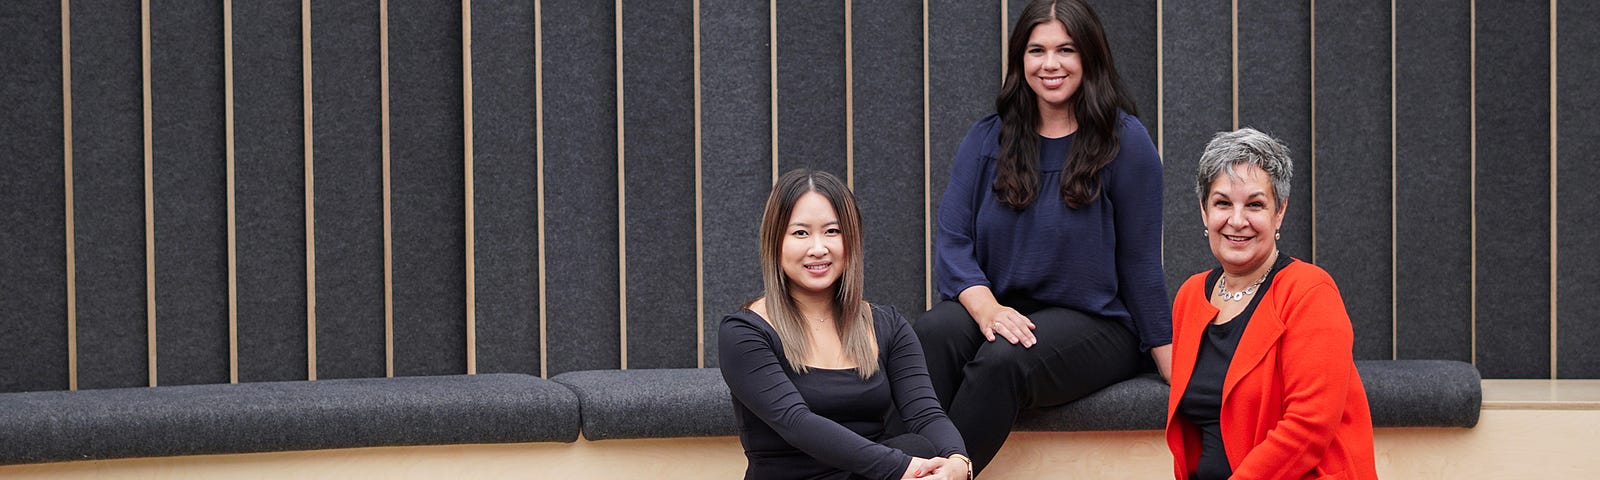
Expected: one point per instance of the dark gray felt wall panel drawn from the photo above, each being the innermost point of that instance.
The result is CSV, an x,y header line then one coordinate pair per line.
x,y
427,194
736,153
1433,171
963,77
581,248
269,191
1131,29
186,76
888,150
506,186
1578,284
811,87
1513,189
1353,234
347,140
33,270
1275,97
658,116
108,193
1197,56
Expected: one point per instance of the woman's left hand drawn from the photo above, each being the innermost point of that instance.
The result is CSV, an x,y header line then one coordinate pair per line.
x,y
943,469
1163,357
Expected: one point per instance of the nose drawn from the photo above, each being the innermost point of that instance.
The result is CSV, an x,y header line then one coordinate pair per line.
x,y
818,248
1051,62
1236,219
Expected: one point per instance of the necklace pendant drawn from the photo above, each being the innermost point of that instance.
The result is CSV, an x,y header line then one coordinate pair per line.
x,y
1237,296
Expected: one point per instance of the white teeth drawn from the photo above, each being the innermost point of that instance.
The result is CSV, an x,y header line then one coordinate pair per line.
x,y
1236,239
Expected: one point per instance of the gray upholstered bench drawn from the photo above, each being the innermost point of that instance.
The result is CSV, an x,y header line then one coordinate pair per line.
x,y
283,416
695,402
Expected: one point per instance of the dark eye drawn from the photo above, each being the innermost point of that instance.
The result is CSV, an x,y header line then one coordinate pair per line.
x,y
1220,203
1068,50
833,231
800,233
1257,205
1035,50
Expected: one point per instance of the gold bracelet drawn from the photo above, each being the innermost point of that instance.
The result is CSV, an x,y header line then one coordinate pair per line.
x,y
964,458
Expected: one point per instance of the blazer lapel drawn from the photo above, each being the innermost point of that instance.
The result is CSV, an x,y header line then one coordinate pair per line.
x,y
1259,336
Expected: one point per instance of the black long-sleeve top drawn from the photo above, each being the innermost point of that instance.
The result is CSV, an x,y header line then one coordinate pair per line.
x,y
827,423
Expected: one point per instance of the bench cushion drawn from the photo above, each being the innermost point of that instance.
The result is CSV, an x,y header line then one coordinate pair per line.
x,y
1400,393
655,403
281,416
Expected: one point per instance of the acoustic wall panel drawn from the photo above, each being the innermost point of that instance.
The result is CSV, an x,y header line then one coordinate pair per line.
x,y
506,186
582,310
269,191
1196,55
888,130
963,78
33,270
1354,176
190,189
811,87
1433,171
1513,189
1131,29
108,193
427,204
1578,241
735,154
658,125
1275,97
347,136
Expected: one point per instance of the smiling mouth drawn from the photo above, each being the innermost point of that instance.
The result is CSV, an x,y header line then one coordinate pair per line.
x,y
1234,238
818,267
1052,82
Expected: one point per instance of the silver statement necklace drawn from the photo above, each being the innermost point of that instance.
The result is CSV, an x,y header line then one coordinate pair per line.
x,y
1222,287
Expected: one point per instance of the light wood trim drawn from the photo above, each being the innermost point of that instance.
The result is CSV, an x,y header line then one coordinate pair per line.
x,y
233,211
1234,59
388,224
1473,27
699,208
66,159
772,43
849,102
1005,17
467,181
1555,249
1161,102
311,189
927,176
1394,185
1313,154
622,198
538,112
149,197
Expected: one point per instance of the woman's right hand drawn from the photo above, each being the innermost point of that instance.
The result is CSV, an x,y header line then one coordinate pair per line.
x,y
940,468
994,318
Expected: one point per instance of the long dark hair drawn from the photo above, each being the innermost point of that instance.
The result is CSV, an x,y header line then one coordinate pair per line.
x,y
1094,105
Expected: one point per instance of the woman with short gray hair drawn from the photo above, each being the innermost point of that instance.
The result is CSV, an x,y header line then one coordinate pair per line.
x,y
1265,331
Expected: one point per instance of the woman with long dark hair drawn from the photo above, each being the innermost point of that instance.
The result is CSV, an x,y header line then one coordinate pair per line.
x,y
815,370
1049,241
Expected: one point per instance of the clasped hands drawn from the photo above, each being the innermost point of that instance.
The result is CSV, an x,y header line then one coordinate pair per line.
x,y
940,468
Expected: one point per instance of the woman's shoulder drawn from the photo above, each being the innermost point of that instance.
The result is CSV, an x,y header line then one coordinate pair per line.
x,y
1300,274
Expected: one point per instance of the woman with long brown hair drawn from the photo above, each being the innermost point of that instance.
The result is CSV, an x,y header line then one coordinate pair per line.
x,y
814,369
1049,241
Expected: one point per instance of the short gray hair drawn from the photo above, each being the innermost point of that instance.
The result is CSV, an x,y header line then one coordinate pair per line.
x,y
1245,146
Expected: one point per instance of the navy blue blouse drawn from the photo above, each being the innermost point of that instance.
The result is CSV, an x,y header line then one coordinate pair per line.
x,y
1103,258
827,423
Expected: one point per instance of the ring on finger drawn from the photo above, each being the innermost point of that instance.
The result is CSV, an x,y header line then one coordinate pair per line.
x,y
997,324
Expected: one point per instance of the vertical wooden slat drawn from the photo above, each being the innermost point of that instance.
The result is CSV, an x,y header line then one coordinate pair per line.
x,y
1554,206
233,236
388,223
622,197
471,254
71,232
699,209
927,175
149,196
310,187
849,102
538,101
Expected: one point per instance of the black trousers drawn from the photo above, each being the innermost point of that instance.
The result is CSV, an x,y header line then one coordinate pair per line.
x,y
982,385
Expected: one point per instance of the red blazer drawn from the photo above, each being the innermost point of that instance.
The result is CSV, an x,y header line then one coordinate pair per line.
x,y
1292,402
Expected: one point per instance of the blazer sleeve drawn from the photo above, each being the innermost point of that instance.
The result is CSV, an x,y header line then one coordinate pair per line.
x,y
1134,188
1317,368
756,379
956,264
913,389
